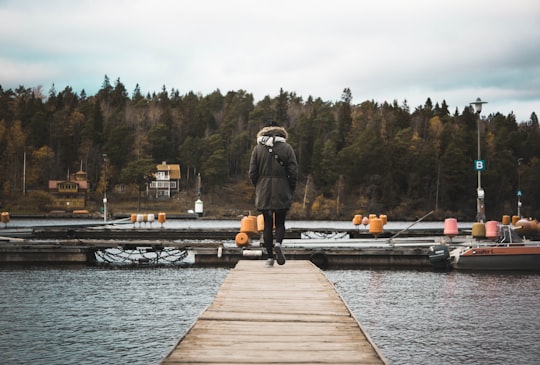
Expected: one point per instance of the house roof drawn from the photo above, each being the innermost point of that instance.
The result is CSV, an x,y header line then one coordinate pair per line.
x,y
53,184
174,169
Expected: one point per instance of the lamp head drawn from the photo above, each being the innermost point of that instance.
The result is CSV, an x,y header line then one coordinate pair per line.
x,y
478,105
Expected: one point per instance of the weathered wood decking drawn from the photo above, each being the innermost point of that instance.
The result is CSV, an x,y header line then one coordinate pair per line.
x,y
288,314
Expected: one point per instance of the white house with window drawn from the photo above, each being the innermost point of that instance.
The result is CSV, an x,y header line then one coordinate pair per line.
x,y
166,181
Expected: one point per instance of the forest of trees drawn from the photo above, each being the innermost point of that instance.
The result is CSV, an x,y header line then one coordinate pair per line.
x,y
370,157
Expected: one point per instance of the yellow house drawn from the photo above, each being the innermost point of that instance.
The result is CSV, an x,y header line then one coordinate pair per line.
x,y
166,180
69,195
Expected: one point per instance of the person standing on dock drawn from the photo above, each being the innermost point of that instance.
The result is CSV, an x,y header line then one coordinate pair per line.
x,y
273,170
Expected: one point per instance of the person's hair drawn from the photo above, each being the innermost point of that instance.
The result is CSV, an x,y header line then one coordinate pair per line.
x,y
271,123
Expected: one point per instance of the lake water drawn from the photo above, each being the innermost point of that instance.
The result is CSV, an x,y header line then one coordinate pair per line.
x,y
114,314
127,315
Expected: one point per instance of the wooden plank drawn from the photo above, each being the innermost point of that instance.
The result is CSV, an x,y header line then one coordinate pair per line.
x,y
288,314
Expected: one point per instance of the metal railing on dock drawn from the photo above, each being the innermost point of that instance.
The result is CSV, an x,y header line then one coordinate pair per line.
x,y
288,314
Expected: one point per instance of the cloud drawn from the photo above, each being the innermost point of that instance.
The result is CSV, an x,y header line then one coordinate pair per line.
x,y
385,50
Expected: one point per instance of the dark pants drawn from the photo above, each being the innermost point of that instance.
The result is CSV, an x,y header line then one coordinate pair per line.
x,y
268,234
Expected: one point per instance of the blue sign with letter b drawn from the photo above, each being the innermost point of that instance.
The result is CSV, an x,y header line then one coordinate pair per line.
x,y
479,165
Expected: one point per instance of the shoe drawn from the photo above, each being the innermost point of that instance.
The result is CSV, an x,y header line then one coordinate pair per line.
x,y
279,254
269,263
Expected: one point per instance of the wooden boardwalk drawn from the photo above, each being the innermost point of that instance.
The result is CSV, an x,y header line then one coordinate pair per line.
x,y
288,314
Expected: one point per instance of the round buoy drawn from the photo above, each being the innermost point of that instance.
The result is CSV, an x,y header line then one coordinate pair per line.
x,y
533,226
492,229
384,219
140,218
372,216
375,226
479,230
515,218
260,223
151,217
357,219
162,217
241,239
4,217
365,221
450,227
133,218
523,227
248,225
506,220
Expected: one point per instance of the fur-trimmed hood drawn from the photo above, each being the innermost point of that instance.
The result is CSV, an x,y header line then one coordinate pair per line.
x,y
273,131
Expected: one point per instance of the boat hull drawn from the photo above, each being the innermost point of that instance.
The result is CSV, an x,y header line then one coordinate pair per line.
x,y
497,258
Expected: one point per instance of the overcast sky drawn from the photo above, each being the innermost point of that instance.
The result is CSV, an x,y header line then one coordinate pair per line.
x,y
383,50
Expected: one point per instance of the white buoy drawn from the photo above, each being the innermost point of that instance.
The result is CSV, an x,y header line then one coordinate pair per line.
x,y
199,207
151,218
140,219
251,253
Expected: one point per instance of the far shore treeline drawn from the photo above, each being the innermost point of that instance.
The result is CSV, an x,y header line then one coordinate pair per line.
x,y
371,157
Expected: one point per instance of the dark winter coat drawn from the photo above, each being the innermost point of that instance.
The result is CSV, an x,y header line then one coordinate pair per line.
x,y
274,183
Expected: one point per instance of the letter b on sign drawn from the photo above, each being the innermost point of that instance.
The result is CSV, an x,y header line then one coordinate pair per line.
x,y
479,165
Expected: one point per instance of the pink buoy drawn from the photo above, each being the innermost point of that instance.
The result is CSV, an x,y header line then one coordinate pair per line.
x,y
492,229
450,227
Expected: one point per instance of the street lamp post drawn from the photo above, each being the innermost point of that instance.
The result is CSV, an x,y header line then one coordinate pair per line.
x,y
105,159
520,160
479,166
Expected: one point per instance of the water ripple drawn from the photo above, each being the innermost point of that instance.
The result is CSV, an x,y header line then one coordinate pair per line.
x,y
99,316
419,317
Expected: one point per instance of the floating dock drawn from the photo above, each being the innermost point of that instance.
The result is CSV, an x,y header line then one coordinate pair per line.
x,y
288,314
327,248
344,253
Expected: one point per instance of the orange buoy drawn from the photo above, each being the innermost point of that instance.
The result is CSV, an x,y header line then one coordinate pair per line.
x,y
260,223
492,229
506,220
357,219
479,230
384,219
241,239
162,217
375,226
450,227
515,218
4,217
372,216
133,218
248,224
